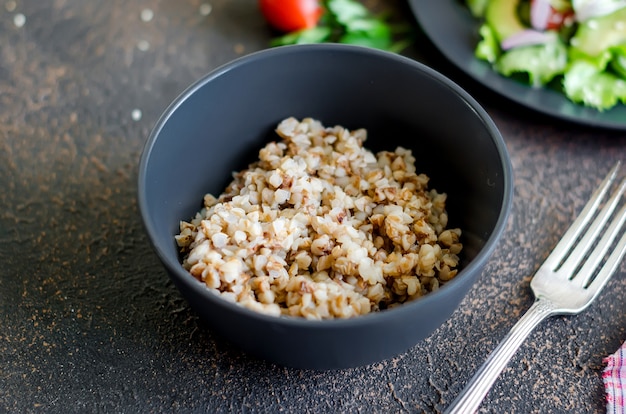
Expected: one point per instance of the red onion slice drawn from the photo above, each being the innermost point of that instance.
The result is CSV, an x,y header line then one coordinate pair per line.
x,y
526,37
540,11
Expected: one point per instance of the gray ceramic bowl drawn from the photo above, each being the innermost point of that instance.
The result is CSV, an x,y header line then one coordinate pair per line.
x,y
218,125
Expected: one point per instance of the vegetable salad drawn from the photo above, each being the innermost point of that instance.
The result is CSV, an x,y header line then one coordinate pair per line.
x,y
576,46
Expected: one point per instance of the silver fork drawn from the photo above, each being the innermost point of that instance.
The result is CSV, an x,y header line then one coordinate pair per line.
x,y
565,284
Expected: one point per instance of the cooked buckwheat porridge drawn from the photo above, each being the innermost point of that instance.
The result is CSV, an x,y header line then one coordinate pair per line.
x,y
320,227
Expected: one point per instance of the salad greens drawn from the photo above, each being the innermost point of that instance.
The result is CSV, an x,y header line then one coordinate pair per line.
x,y
349,21
576,46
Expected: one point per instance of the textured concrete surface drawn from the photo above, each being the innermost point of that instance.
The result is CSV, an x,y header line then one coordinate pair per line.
x,y
89,321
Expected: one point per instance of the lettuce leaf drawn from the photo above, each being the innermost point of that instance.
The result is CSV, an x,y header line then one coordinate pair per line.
x,y
488,48
618,62
541,63
584,83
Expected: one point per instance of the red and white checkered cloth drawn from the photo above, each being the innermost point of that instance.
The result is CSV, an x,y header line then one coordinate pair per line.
x,y
614,377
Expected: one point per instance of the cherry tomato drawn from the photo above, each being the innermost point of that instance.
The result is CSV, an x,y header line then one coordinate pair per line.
x,y
546,17
558,19
291,15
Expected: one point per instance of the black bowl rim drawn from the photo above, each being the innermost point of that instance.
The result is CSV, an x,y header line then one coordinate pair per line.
x,y
176,270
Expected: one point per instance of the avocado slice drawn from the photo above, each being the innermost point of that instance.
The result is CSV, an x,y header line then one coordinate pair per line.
x,y
596,35
477,7
502,16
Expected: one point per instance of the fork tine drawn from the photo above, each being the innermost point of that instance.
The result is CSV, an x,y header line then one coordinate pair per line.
x,y
612,232
570,236
607,270
578,254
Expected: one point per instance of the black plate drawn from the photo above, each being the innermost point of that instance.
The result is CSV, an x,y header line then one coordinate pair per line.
x,y
454,31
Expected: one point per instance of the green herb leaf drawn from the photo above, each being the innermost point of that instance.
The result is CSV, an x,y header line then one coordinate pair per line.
x,y
346,11
317,34
365,39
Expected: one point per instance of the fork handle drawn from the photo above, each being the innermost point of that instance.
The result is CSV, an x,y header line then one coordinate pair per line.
x,y
479,385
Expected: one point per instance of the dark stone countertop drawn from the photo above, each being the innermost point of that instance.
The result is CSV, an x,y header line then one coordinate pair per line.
x,y
89,321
